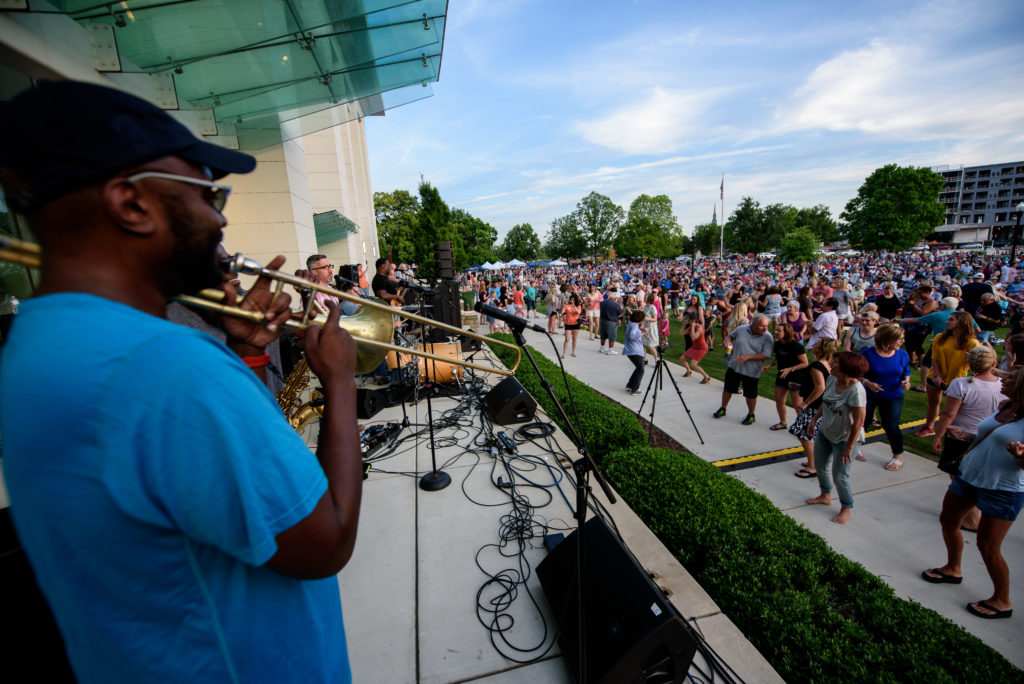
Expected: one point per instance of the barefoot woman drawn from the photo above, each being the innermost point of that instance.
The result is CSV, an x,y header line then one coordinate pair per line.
x,y
842,414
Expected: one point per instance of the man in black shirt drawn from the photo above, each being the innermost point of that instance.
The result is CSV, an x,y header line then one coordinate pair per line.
x,y
989,317
383,286
973,291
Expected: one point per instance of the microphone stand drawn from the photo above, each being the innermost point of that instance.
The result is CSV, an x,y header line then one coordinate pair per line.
x,y
581,468
436,479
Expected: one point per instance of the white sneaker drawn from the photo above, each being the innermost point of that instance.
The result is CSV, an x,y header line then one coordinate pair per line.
x,y
612,352
603,350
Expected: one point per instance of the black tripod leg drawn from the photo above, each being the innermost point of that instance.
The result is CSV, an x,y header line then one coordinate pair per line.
x,y
687,408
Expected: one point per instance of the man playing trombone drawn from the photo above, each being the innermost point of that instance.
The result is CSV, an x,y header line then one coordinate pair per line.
x,y
177,525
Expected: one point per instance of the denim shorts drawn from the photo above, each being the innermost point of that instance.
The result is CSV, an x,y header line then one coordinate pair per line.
x,y
992,502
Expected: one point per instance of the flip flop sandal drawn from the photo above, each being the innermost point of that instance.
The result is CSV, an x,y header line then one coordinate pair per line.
x,y
778,426
893,465
706,380
861,457
994,614
805,474
936,576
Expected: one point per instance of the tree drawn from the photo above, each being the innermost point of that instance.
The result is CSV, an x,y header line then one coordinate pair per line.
x,y
477,237
818,220
650,230
396,223
598,220
565,238
521,243
706,237
747,227
779,220
895,208
800,245
435,225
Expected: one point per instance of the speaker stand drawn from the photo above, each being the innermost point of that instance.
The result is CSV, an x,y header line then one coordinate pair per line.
x,y
581,467
436,479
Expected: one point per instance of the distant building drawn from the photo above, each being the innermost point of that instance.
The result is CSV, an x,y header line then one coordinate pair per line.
x,y
980,202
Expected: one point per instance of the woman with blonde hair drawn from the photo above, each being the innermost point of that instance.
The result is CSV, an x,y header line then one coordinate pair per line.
x,y
991,477
887,378
738,317
969,400
650,330
949,361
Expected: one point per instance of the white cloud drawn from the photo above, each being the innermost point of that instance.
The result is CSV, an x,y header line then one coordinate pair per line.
x,y
665,121
916,92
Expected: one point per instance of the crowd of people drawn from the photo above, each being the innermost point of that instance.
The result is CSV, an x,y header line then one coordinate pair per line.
x,y
845,337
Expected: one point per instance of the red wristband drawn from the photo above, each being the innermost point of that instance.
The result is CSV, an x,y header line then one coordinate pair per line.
x,y
256,361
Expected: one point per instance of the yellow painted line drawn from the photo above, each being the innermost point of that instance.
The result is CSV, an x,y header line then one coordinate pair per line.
x,y
765,455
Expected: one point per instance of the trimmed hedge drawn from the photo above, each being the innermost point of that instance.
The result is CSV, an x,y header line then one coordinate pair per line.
x,y
606,426
812,613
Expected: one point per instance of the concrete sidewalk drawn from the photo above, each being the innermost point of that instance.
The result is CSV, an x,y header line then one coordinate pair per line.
x,y
894,532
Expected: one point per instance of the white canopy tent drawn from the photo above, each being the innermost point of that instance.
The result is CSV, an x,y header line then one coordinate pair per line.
x,y
557,262
516,262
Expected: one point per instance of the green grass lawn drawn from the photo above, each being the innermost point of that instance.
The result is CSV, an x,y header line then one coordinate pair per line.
x,y
915,404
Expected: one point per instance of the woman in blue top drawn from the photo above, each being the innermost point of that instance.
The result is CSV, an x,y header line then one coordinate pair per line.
x,y
887,378
991,477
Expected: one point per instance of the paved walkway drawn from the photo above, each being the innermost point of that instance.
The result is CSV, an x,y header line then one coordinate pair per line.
x,y
894,531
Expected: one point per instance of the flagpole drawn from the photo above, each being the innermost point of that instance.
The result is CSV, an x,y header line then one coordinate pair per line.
x,y
721,228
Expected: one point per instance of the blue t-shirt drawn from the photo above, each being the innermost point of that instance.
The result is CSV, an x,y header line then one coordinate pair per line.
x,y
887,372
937,320
149,472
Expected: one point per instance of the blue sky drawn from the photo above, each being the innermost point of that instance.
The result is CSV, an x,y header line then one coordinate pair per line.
x,y
541,102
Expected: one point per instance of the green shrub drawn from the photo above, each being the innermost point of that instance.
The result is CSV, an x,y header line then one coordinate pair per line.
x,y
812,613
606,426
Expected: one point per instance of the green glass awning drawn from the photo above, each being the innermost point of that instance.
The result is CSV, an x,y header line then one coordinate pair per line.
x,y
331,226
260,63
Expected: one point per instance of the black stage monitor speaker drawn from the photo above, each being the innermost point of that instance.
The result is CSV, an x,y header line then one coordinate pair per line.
x,y
369,402
510,403
633,633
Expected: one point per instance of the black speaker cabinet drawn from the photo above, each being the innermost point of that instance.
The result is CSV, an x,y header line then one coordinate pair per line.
x,y
449,304
633,633
369,402
510,403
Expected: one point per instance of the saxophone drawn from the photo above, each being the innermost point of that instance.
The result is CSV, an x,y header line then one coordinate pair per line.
x,y
299,414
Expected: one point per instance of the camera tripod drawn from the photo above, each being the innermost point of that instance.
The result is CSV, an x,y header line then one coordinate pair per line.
x,y
656,382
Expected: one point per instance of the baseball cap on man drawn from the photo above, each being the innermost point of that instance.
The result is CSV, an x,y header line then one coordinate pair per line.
x,y
64,135
978,275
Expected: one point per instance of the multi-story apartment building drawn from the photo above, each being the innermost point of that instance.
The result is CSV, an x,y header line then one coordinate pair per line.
x,y
980,202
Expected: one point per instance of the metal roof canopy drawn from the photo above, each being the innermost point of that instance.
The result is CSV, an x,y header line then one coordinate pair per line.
x,y
331,226
259,64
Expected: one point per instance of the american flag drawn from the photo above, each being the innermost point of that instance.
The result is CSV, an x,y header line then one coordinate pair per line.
x,y
721,189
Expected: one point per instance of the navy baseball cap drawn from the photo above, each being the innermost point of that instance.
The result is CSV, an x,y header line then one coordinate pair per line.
x,y
63,135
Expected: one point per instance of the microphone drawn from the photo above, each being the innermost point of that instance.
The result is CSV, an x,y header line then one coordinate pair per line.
x,y
416,286
512,320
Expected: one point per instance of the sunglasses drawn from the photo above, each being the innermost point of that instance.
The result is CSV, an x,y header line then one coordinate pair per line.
x,y
317,268
216,194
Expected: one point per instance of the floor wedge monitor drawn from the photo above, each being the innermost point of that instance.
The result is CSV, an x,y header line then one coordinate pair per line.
x,y
509,403
633,633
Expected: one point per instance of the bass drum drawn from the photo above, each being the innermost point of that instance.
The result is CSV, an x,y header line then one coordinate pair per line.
x,y
441,372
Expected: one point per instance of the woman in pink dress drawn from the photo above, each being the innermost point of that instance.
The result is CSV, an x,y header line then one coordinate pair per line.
x,y
693,329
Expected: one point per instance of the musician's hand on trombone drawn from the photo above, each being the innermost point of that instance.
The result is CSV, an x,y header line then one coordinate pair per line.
x,y
330,351
276,310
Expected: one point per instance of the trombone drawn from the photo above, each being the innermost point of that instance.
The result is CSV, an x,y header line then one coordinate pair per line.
x,y
371,326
